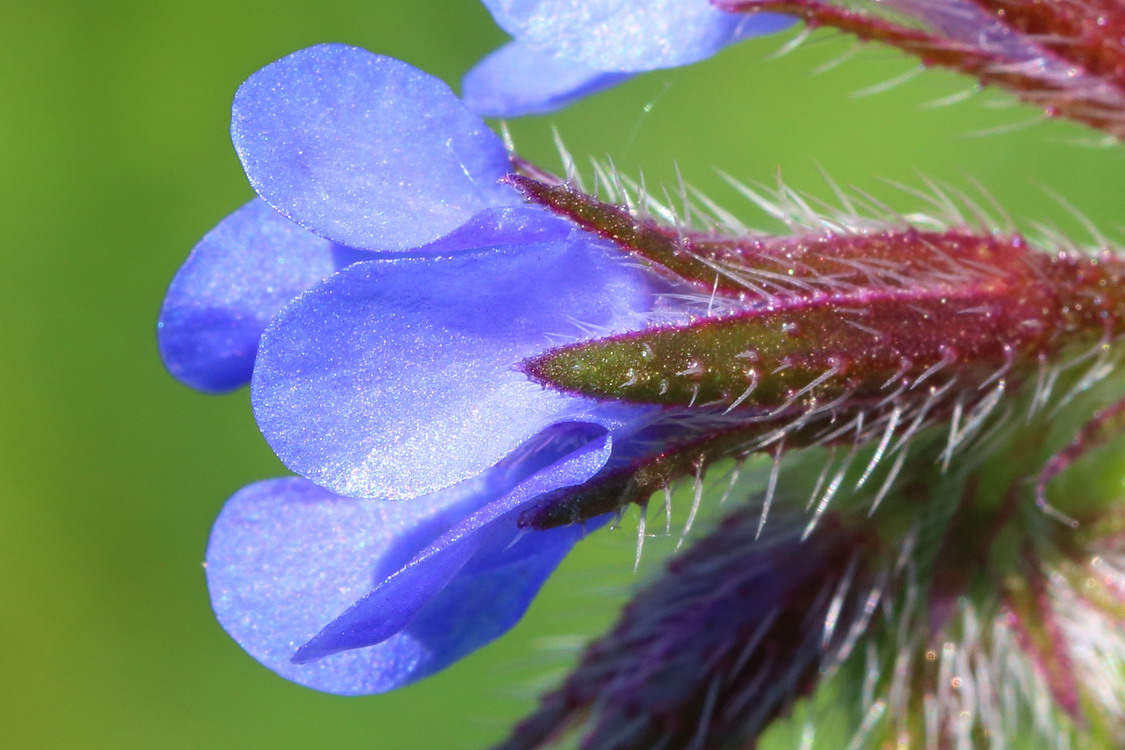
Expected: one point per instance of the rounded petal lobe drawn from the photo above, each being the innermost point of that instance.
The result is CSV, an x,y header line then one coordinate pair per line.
x,y
628,36
286,556
396,378
518,80
365,150
238,276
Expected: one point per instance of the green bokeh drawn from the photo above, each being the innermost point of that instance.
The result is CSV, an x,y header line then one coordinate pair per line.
x,y
116,160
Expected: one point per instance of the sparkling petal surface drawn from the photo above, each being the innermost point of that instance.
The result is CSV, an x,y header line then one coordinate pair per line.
x,y
365,150
395,378
233,283
286,555
496,227
518,80
624,35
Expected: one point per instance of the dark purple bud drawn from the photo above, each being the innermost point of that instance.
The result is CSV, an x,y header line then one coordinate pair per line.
x,y
715,649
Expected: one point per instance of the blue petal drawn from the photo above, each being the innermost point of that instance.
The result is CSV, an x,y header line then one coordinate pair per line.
x,y
483,549
517,80
396,378
286,555
238,276
365,150
628,36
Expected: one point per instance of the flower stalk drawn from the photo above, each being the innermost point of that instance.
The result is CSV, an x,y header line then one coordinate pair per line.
x,y
1066,57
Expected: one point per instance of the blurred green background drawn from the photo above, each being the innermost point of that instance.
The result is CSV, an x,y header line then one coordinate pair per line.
x,y
116,159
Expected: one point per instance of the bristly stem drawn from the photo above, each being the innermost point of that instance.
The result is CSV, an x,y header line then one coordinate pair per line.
x,y
1072,65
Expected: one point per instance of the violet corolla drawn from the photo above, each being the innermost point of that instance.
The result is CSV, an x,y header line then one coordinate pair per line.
x,y
564,50
393,379
396,282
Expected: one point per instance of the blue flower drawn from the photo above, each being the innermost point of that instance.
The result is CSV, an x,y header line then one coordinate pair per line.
x,y
565,50
382,292
393,379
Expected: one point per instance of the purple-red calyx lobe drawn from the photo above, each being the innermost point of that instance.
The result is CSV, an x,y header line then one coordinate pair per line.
x,y
798,321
